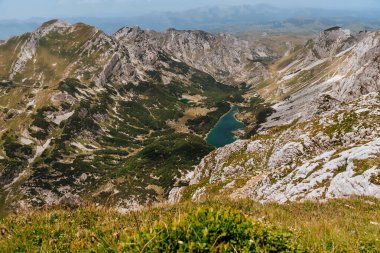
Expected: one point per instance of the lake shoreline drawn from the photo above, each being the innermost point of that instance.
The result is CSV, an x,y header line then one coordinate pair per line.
x,y
231,132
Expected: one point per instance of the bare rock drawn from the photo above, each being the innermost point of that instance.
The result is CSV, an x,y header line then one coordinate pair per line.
x,y
70,200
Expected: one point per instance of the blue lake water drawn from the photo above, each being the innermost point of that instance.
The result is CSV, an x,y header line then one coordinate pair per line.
x,y
222,134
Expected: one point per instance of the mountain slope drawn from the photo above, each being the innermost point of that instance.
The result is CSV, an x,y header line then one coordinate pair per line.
x,y
90,117
323,140
335,154
335,63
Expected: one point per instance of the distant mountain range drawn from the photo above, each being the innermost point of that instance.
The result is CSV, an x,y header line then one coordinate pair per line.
x,y
242,17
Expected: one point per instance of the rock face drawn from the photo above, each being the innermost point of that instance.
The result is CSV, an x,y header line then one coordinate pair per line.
x,y
336,65
28,49
330,42
326,177
226,58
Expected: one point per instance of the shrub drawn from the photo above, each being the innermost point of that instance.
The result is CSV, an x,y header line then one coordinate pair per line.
x,y
209,230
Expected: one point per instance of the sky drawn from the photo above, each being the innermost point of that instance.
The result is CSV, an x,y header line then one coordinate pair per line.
x,y
25,9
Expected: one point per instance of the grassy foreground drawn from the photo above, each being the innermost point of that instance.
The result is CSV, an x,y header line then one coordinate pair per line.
x,y
351,225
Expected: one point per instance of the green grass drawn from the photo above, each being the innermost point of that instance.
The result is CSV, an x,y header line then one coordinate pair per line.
x,y
215,226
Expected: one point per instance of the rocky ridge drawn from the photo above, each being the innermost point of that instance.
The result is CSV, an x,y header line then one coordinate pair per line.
x,y
225,57
336,63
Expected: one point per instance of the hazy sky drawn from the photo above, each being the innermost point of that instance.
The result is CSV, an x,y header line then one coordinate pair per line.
x,y
24,9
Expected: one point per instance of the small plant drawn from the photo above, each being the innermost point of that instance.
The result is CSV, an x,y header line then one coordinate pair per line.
x,y
210,230
375,179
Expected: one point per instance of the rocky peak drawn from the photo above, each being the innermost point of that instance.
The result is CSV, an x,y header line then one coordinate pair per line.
x,y
51,25
331,41
28,49
227,58
128,32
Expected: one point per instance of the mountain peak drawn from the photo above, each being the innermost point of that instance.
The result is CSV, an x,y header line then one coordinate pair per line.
x,y
126,30
336,32
55,23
